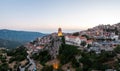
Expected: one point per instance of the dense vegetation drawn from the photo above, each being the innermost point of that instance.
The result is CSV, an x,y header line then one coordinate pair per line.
x,y
117,49
47,68
76,34
42,57
88,60
67,53
16,55
9,43
3,64
94,61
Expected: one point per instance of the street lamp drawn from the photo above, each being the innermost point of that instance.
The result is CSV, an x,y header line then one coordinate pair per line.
x,y
55,66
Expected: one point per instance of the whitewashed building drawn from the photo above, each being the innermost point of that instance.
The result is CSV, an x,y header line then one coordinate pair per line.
x,y
74,40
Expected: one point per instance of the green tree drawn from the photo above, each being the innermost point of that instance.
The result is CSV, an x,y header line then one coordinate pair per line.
x,y
18,54
79,69
43,57
76,34
117,49
47,68
4,67
63,40
67,52
75,64
86,36
89,45
83,43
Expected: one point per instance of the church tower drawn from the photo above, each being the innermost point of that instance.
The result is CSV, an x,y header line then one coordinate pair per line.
x,y
60,32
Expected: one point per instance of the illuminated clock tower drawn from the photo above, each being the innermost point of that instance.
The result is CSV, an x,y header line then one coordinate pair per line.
x,y
60,32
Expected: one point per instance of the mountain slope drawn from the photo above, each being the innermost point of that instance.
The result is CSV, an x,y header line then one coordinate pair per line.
x,y
21,36
9,44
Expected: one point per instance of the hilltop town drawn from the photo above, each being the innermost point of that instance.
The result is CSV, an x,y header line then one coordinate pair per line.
x,y
99,39
94,49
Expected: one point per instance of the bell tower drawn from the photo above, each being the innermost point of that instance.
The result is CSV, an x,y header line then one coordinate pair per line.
x,y
60,32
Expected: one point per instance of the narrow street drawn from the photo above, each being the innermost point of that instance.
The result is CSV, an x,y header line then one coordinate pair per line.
x,y
31,66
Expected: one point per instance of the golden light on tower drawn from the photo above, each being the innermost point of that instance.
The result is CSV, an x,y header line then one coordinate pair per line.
x,y
60,32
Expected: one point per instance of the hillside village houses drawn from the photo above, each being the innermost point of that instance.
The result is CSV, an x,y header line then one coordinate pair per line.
x,y
101,40
49,42
103,37
76,40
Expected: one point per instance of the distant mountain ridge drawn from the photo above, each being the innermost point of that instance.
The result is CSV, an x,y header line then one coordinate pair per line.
x,y
19,35
13,38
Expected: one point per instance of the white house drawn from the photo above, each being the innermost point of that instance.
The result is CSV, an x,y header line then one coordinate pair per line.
x,y
115,37
74,40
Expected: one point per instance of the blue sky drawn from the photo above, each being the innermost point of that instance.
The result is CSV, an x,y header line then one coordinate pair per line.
x,y
48,15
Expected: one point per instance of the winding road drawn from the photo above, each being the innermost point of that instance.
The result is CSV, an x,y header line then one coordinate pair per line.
x,y
31,66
